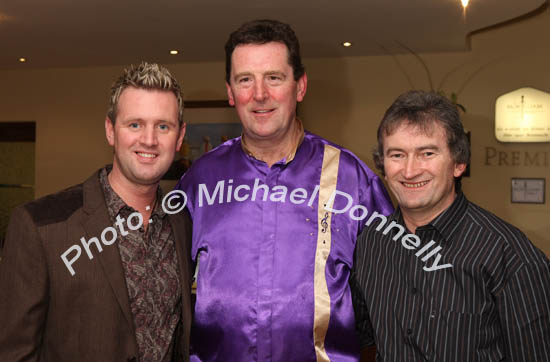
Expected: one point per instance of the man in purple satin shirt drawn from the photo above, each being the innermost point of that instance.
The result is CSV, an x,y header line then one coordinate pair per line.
x,y
276,213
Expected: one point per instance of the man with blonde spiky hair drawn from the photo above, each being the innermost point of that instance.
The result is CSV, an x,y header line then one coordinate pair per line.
x,y
99,271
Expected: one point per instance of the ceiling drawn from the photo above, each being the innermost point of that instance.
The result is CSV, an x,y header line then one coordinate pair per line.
x,y
82,33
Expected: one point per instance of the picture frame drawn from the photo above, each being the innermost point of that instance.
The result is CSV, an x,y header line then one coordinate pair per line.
x,y
528,190
208,124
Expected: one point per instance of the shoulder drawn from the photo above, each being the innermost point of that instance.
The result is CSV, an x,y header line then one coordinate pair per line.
x,y
347,158
507,235
216,157
55,207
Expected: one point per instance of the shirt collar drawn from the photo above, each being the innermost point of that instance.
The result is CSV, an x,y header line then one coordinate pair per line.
x,y
298,138
447,222
450,220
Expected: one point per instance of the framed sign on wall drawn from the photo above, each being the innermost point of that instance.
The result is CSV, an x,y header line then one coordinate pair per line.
x,y
523,115
528,190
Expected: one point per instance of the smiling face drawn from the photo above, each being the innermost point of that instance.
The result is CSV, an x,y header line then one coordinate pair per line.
x,y
263,90
145,136
420,169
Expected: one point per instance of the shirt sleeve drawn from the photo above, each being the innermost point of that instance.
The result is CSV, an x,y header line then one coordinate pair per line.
x,y
363,324
524,311
23,290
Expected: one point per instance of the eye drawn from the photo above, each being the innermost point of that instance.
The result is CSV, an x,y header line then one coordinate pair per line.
x,y
243,80
396,155
134,125
274,78
428,153
164,127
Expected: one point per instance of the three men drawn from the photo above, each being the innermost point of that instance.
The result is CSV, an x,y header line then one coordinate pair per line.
x,y
442,279
275,247
66,295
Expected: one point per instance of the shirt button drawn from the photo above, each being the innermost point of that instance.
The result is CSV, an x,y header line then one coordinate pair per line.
x,y
409,331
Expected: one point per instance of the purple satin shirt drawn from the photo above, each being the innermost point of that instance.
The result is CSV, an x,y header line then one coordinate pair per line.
x,y
274,264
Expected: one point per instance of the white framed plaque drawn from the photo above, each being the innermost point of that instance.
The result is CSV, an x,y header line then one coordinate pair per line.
x,y
528,190
523,115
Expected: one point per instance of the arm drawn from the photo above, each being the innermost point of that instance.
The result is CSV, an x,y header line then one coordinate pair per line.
x,y
524,311
363,324
23,290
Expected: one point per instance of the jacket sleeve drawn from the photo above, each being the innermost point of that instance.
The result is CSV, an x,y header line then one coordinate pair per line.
x,y
23,290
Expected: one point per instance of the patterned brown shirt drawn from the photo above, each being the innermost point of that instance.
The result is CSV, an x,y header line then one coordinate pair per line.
x,y
150,266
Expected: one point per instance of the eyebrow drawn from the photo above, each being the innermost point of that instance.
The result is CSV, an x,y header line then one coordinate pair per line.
x,y
421,148
269,72
237,75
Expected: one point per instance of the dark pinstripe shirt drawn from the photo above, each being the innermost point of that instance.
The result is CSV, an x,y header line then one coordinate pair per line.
x,y
479,292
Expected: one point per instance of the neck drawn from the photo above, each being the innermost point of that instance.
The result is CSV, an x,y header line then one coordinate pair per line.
x,y
417,218
139,197
273,150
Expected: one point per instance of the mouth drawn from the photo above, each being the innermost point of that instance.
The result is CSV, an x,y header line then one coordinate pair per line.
x,y
263,111
147,155
414,185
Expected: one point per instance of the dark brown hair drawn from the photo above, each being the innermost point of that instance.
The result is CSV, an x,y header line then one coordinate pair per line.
x,y
262,32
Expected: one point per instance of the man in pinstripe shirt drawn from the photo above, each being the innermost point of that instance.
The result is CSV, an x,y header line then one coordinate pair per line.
x,y
441,279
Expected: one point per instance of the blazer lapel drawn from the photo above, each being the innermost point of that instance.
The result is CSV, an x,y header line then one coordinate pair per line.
x,y
109,258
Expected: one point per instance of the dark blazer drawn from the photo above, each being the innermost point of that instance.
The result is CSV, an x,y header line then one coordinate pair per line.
x,y
48,315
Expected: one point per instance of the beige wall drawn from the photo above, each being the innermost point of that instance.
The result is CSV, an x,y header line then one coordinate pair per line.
x,y
345,101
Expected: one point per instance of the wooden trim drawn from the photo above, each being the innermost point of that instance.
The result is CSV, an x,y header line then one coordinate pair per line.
x,y
504,23
17,131
222,103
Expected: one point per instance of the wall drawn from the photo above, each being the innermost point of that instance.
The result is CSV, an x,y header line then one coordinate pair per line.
x,y
348,96
346,99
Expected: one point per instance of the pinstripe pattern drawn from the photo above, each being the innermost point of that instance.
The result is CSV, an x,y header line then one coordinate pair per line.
x,y
492,305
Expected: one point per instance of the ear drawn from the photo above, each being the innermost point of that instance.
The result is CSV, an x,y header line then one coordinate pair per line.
x,y
459,169
230,95
109,131
180,136
301,88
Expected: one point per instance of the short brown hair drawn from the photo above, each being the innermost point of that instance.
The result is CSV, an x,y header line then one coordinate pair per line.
x,y
145,76
262,32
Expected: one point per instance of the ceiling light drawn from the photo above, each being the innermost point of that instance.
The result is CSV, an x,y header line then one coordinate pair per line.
x,y
465,3
346,44
173,52
22,60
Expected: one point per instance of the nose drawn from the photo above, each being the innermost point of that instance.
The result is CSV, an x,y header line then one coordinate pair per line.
x,y
412,168
149,136
260,91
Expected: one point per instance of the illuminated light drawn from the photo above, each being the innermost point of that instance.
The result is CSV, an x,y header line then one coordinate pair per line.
x,y
174,52
346,44
464,3
22,60
523,116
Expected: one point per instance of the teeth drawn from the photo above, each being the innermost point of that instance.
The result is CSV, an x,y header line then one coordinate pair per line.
x,y
148,155
262,111
415,185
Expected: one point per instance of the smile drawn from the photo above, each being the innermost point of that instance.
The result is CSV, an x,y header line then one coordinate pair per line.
x,y
263,111
415,184
146,155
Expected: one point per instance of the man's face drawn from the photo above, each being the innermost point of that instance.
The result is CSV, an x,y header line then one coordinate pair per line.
x,y
263,90
145,136
420,169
